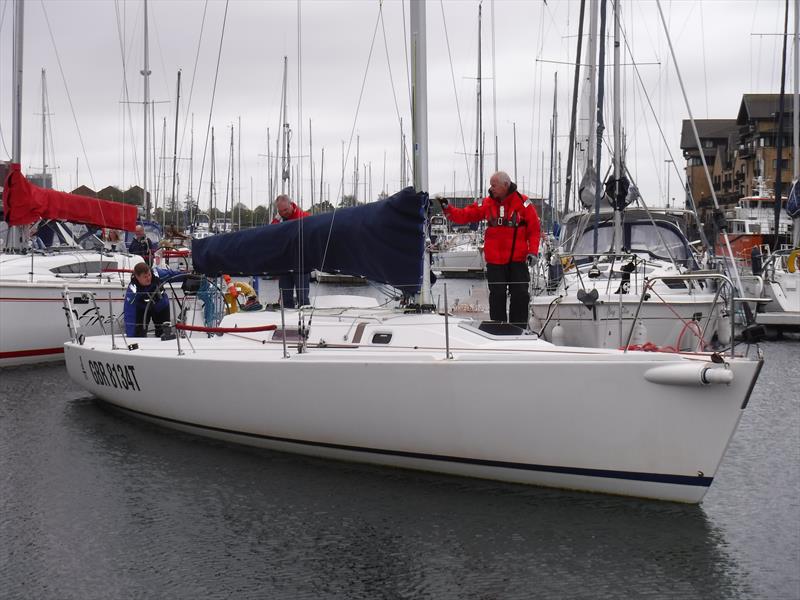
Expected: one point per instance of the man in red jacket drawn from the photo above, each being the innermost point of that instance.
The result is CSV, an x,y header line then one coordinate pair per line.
x,y
511,242
294,280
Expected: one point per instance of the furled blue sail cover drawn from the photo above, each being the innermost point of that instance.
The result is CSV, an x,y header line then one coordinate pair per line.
x,y
382,241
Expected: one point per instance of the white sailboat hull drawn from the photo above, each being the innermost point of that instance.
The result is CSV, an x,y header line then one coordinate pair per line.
x,y
570,418
33,326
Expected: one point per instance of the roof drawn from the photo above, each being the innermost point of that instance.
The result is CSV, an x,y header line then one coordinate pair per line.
x,y
715,129
762,106
84,191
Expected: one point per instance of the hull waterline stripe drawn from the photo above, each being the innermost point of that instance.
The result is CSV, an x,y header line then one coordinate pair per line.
x,y
628,475
37,352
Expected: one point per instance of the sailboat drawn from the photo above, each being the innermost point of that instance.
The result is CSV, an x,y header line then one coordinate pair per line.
x,y
33,278
618,274
414,388
781,268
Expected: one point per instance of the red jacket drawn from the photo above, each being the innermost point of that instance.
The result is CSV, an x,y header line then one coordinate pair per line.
x,y
517,218
296,214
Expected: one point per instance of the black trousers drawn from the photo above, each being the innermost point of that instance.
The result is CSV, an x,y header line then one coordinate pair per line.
x,y
145,314
512,278
289,282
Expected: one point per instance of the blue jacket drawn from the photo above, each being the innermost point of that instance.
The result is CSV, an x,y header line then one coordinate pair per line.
x,y
137,297
143,247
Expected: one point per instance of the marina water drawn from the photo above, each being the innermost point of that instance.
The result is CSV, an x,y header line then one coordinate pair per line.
x,y
97,505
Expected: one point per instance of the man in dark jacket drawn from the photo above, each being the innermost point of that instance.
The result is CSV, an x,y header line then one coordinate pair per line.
x,y
146,299
142,246
294,280
510,243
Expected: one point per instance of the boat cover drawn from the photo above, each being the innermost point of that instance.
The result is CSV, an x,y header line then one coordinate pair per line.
x,y
25,203
382,241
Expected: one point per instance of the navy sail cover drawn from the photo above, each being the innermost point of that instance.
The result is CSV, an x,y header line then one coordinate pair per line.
x,y
382,241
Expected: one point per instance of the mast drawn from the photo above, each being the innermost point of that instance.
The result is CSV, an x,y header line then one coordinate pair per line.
x,y
514,125
494,94
779,144
598,192
145,72
796,118
44,128
226,214
479,124
355,171
239,173
211,188
270,198
553,137
175,152
191,174
618,148
321,173
419,103
796,98
16,238
311,161
162,168
402,156
285,159
575,88
16,103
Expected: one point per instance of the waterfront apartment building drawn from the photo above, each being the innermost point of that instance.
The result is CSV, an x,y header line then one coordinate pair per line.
x,y
738,151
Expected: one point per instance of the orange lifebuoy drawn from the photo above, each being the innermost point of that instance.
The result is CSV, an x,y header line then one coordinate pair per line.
x,y
793,263
231,286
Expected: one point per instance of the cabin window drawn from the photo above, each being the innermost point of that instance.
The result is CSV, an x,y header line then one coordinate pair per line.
x,y
84,267
605,240
381,338
661,241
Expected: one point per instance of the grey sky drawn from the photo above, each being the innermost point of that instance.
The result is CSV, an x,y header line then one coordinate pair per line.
x,y
719,58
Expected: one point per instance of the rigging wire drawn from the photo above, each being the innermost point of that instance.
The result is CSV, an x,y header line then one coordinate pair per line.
x,y
69,96
2,138
213,96
408,57
194,74
353,129
152,19
406,157
455,94
536,106
126,96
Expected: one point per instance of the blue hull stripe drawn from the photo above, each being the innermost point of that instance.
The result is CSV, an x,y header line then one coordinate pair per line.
x,y
610,474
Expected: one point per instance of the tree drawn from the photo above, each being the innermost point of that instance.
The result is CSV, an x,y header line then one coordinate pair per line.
x,y
322,207
260,215
348,201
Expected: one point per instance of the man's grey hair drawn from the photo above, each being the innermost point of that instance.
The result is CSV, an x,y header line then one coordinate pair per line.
x,y
503,177
282,198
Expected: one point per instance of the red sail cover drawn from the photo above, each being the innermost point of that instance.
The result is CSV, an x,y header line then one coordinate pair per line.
x,y
25,203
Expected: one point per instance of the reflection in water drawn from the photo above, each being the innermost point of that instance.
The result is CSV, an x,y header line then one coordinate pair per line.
x,y
113,507
96,505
